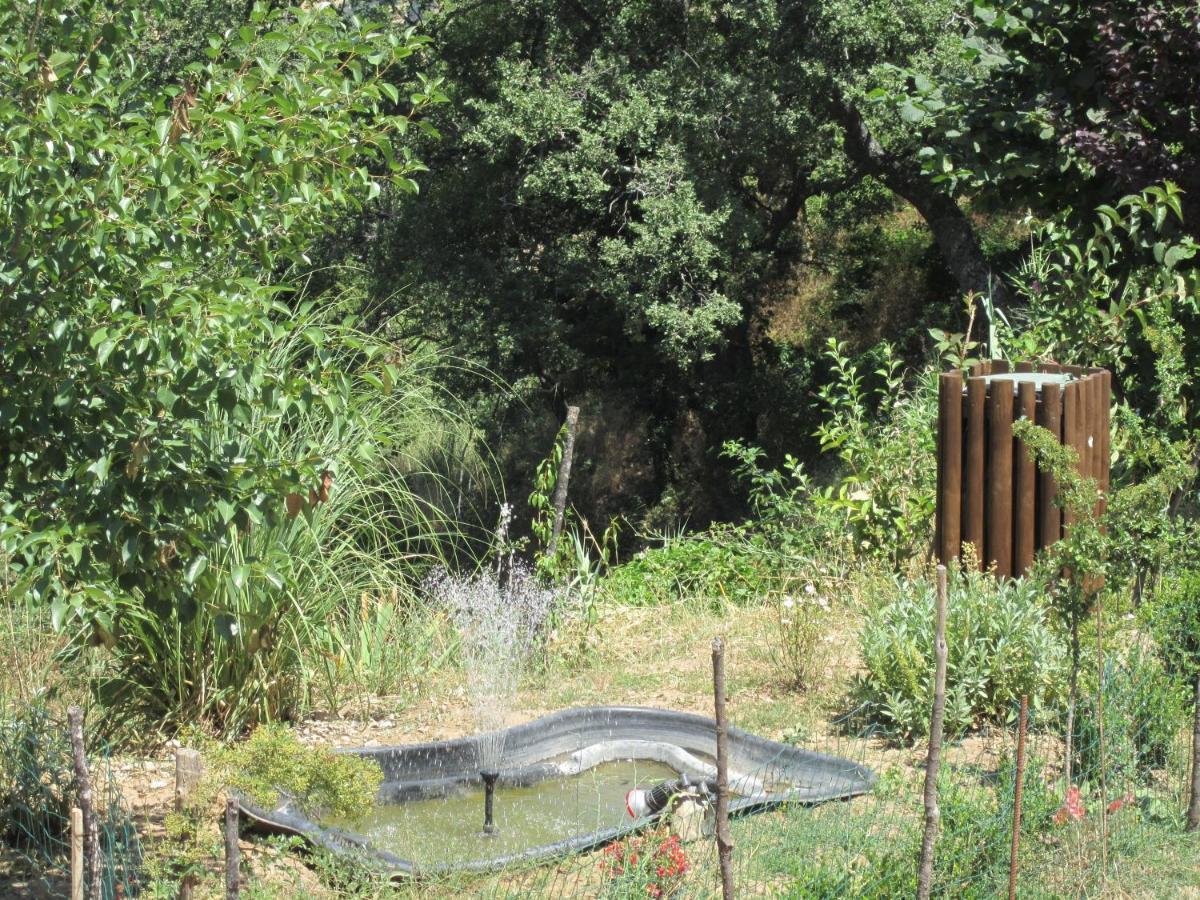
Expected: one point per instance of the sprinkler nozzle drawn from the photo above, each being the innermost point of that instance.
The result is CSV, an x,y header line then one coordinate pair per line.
x,y
646,802
489,793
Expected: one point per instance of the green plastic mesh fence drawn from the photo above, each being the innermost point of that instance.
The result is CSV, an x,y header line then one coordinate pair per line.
x,y
37,792
1117,822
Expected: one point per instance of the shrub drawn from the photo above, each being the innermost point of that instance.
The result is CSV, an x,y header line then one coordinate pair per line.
x,y
651,864
1144,712
713,568
37,783
1000,646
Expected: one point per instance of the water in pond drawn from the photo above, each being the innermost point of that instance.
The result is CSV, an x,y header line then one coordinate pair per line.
x,y
448,830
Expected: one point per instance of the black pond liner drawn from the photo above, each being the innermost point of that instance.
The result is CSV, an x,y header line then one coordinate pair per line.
x,y
418,771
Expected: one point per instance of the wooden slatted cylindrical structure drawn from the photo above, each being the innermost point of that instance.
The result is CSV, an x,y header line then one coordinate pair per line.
x,y
991,494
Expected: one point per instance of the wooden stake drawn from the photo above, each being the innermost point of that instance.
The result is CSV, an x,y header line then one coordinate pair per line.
x,y
724,840
564,476
232,851
76,853
933,814
1193,817
189,769
91,837
1022,727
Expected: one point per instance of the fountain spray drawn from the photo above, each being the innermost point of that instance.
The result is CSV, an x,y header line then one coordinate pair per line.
x,y
500,616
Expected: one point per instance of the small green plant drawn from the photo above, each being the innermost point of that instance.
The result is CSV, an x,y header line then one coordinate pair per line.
x,y
269,765
1144,715
713,568
1001,646
803,623
37,784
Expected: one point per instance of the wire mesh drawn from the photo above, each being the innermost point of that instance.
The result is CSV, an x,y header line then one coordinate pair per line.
x,y
1118,820
37,792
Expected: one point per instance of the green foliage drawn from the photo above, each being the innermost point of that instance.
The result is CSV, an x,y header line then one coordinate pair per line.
x,y
712,569
1000,646
272,764
803,622
880,436
144,233
323,602
37,783
1173,615
1051,103
1144,716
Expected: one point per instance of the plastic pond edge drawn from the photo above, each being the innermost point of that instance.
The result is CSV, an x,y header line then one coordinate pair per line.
x,y
772,773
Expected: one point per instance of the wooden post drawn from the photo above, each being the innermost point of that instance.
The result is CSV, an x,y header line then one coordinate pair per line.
x,y
232,852
1049,515
950,403
564,476
1025,531
933,813
189,769
76,853
973,526
91,836
1022,728
1193,815
724,840
1000,478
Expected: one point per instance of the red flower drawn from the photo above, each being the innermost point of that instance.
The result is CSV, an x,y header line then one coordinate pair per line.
x,y
1123,801
1072,809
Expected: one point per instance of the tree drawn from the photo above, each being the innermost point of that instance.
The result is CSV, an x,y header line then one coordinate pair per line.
x,y
1102,95
631,176
147,236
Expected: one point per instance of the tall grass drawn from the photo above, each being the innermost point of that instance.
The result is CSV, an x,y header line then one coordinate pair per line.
x,y
323,605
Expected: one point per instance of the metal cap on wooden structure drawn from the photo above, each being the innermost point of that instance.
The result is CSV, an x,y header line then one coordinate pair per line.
x,y
990,493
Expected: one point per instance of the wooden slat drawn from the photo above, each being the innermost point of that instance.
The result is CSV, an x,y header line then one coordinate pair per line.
x,y
976,433
1049,515
1072,427
1023,367
1025,528
950,402
1000,478
999,367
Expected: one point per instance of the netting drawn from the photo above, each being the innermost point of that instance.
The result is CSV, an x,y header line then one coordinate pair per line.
x,y
1118,822
38,790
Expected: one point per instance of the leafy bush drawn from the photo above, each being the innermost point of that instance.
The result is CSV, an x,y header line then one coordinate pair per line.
x,y
273,762
324,600
1174,618
713,568
1144,714
651,864
882,503
1000,646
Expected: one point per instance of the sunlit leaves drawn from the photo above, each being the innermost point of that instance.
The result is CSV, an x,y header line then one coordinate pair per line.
x,y
145,237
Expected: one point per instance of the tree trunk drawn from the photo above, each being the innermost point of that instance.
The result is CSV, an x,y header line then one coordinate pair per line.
x,y
564,478
950,226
